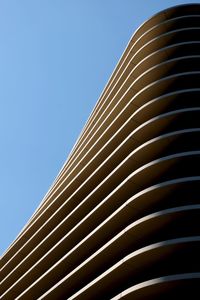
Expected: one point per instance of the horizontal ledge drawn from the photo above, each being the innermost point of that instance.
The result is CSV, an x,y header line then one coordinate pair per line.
x,y
161,285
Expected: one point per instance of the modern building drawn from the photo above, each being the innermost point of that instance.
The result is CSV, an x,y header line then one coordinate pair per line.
x,y
122,218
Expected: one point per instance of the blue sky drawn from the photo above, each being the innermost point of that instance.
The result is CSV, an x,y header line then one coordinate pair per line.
x,y
55,58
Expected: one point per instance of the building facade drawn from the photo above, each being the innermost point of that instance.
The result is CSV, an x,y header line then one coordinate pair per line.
x,y
122,218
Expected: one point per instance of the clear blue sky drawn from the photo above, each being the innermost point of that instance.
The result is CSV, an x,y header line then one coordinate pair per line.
x,y
55,58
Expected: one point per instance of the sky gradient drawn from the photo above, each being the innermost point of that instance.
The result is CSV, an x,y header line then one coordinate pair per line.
x,y
56,57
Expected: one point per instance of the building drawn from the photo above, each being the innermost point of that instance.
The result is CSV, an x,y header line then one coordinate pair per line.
x,y
121,220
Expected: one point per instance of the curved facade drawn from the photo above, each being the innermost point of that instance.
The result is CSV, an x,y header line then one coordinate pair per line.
x,y
122,218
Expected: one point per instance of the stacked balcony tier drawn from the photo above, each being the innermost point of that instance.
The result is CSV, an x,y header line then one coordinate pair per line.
x,y
122,218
